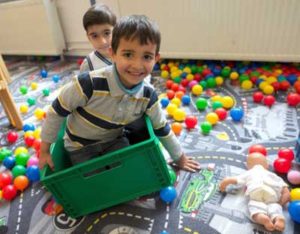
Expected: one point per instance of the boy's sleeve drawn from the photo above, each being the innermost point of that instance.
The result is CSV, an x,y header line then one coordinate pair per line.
x,y
84,66
162,128
74,94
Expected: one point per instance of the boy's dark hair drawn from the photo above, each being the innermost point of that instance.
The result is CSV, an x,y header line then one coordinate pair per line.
x,y
98,14
136,27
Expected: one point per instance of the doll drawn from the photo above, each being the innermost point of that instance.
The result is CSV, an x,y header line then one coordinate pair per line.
x,y
266,191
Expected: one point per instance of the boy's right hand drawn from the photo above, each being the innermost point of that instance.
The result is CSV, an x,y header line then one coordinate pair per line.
x,y
45,158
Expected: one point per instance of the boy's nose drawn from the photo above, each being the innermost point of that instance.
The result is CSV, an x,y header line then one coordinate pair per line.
x,y
137,63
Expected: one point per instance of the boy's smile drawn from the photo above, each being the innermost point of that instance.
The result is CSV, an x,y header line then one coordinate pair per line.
x,y
134,61
100,36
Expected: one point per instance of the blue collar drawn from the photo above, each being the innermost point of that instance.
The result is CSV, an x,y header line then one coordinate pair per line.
x,y
131,91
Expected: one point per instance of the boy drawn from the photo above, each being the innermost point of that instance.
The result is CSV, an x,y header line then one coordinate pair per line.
x,y
100,103
98,23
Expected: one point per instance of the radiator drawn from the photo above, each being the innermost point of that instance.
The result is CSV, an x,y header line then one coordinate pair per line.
x,y
30,27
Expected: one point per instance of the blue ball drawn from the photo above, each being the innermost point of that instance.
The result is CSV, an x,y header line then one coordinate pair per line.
x,y
183,75
44,73
168,194
186,99
55,78
164,102
164,232
156,67
9,162
33,173
294,210
28,127
236,113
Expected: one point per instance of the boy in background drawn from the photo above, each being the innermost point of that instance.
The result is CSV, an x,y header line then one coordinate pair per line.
x,y
98,23
99,104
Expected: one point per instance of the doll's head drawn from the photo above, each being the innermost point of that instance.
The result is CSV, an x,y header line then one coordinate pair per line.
x,y
254,159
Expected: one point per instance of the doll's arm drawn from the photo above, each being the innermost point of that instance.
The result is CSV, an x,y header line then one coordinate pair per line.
x,y
227,181
285,196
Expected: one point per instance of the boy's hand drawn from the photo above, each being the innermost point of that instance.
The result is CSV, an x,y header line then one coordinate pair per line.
x,y
45,158
188,163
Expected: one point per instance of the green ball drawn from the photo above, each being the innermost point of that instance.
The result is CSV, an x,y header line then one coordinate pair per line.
x,y
172,174
243,77
22,158
225,72
216,105
46,92
211,82
18,170
201,103
203,83
194,69
23,89
177,79
206,127
4,152
31,101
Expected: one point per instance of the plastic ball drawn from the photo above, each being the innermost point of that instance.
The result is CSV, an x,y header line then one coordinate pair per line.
x,y
39,113
22,158
206,127
43,73
24,108
247,84
216,105
186,100
55,78
197,90
201,103
269,100
227,102
294,210
257,97
21,182
164,232
222,113
164,74
31,101
175,87
236,113
37,144
37,133
29,141
179,115
9,192
23,89
18,170
219,80
191,121
34,85
5,179
12,137
268,89
28,127
29,133
295,194
211,82
32,161
176,101
293,177
20,149
46,92
33,173
212,118
9,162
179,94
171,108
176,128
258,149
168,194
234,75
4,152
172,175
286,153
282,165
293,99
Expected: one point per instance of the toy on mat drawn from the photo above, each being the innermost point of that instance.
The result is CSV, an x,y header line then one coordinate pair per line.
x,y
266,191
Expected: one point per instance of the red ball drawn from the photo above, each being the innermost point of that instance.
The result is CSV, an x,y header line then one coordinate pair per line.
x,y
276,85
221,113
37,144
5,179
175,87
12,137
197,77
182,88
258,149
169,84
284,85
287,154
281,165
191,121
257,97
269,100
29,141
170,94
293,99
9,192
80,61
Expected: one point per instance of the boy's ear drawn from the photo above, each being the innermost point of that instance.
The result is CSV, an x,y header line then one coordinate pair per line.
x,y
157,57
110,52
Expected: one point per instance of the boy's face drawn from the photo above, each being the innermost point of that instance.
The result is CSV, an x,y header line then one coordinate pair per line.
x,y
100,37
134,61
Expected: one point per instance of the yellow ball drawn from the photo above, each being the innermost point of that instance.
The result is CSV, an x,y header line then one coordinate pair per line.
x,y
187,70
21,149
28,134
39,113
197,90
34,85
170,64
227,102
271,79
216,98
162,66
262,85
179,115
176,101
263,77
219,80
295,194
247,84
212,118
23,108
234,75
190,77
268,89
164,74
173,69
171,109
37,133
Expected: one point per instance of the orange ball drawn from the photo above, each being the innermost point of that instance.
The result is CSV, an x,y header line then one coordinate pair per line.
x,y
21,182
176,128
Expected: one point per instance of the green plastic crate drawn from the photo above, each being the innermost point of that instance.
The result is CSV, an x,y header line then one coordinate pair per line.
x,y
111,179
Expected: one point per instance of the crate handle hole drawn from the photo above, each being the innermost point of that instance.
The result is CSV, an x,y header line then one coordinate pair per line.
x,y
102,169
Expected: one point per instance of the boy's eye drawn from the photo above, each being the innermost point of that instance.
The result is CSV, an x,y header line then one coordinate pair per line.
x,y
148,57
94,36
107,33
127,55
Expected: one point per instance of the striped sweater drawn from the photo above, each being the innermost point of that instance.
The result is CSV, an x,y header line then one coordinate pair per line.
x,y
94,61
98,106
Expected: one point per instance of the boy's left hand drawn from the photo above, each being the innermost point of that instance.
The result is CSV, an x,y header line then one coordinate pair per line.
x,y
188,163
